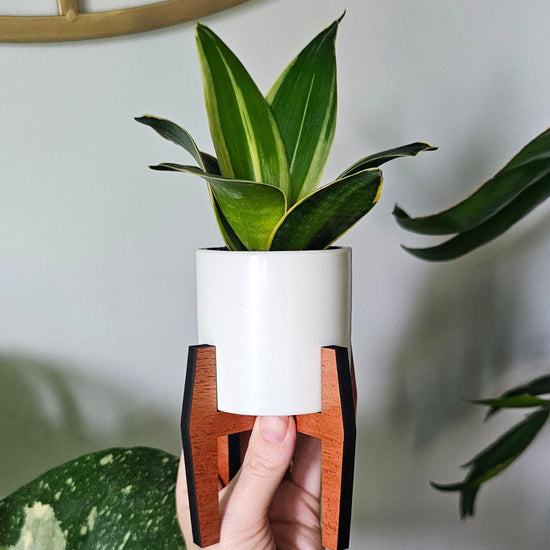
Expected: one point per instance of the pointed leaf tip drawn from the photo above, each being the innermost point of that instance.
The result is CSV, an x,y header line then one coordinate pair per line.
x,y
448,487
538,386
398,212
513,402
377,159
303,102
245,135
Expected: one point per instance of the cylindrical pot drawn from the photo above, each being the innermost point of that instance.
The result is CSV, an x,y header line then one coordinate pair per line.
x,y
269,313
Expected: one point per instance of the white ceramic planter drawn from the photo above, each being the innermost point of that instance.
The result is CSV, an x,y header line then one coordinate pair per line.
x,y
269,314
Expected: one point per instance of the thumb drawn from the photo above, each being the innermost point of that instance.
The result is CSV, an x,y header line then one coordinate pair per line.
x,y
265,464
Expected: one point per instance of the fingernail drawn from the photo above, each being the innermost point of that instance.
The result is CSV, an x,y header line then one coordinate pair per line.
x,y
273,428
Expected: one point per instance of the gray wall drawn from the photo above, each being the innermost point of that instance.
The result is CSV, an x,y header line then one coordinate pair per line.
x,y
97,252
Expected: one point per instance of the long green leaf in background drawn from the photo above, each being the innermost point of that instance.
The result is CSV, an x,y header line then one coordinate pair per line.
x,y
252,209
322,217
505,450
491,228
538,386
245,135
377,159
176,134
303,100
495,459
115,498
526,169
514,402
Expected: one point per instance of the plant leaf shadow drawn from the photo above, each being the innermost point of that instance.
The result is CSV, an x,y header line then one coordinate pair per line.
x,y
474,327
45,419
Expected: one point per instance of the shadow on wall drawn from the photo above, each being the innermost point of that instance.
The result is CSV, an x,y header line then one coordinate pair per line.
x,y
44,421
479,318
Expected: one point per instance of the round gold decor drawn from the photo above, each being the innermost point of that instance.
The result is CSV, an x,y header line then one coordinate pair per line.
x,y
72,24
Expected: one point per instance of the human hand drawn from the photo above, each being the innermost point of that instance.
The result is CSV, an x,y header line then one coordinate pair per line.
x,y
263,507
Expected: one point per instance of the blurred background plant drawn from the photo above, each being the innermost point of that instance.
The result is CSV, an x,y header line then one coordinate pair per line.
x,y
499,203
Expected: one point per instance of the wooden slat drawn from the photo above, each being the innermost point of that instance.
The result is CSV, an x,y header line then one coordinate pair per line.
x,y
72,25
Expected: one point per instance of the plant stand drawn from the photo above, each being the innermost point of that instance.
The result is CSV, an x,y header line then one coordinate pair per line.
x,y
211,444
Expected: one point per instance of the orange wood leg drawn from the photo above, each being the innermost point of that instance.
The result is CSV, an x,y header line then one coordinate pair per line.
x,y
336,428
211,443
201,427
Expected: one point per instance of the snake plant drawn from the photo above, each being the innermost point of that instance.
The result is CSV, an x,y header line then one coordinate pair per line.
x,y
271,151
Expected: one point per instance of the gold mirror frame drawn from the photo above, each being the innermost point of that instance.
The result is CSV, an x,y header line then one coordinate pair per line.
x,y
71,24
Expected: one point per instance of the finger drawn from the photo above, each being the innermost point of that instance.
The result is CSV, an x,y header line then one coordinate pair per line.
x,y
269,453
244,439
306,466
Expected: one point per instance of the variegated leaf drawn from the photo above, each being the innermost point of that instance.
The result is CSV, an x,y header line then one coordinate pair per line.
x,y
252,209
176,134
377,159
322,217
115,498
303,100
245,135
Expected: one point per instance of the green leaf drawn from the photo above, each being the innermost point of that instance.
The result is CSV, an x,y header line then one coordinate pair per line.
x,y
117,498
538,386
252,209
322,217
514,402
527,168
376,160
243,129
229,236
509,445
495,458
303,101
174,133
490,229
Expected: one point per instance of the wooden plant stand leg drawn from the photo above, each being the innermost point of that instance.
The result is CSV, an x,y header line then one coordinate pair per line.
x,y
201,426
335,426
211,444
